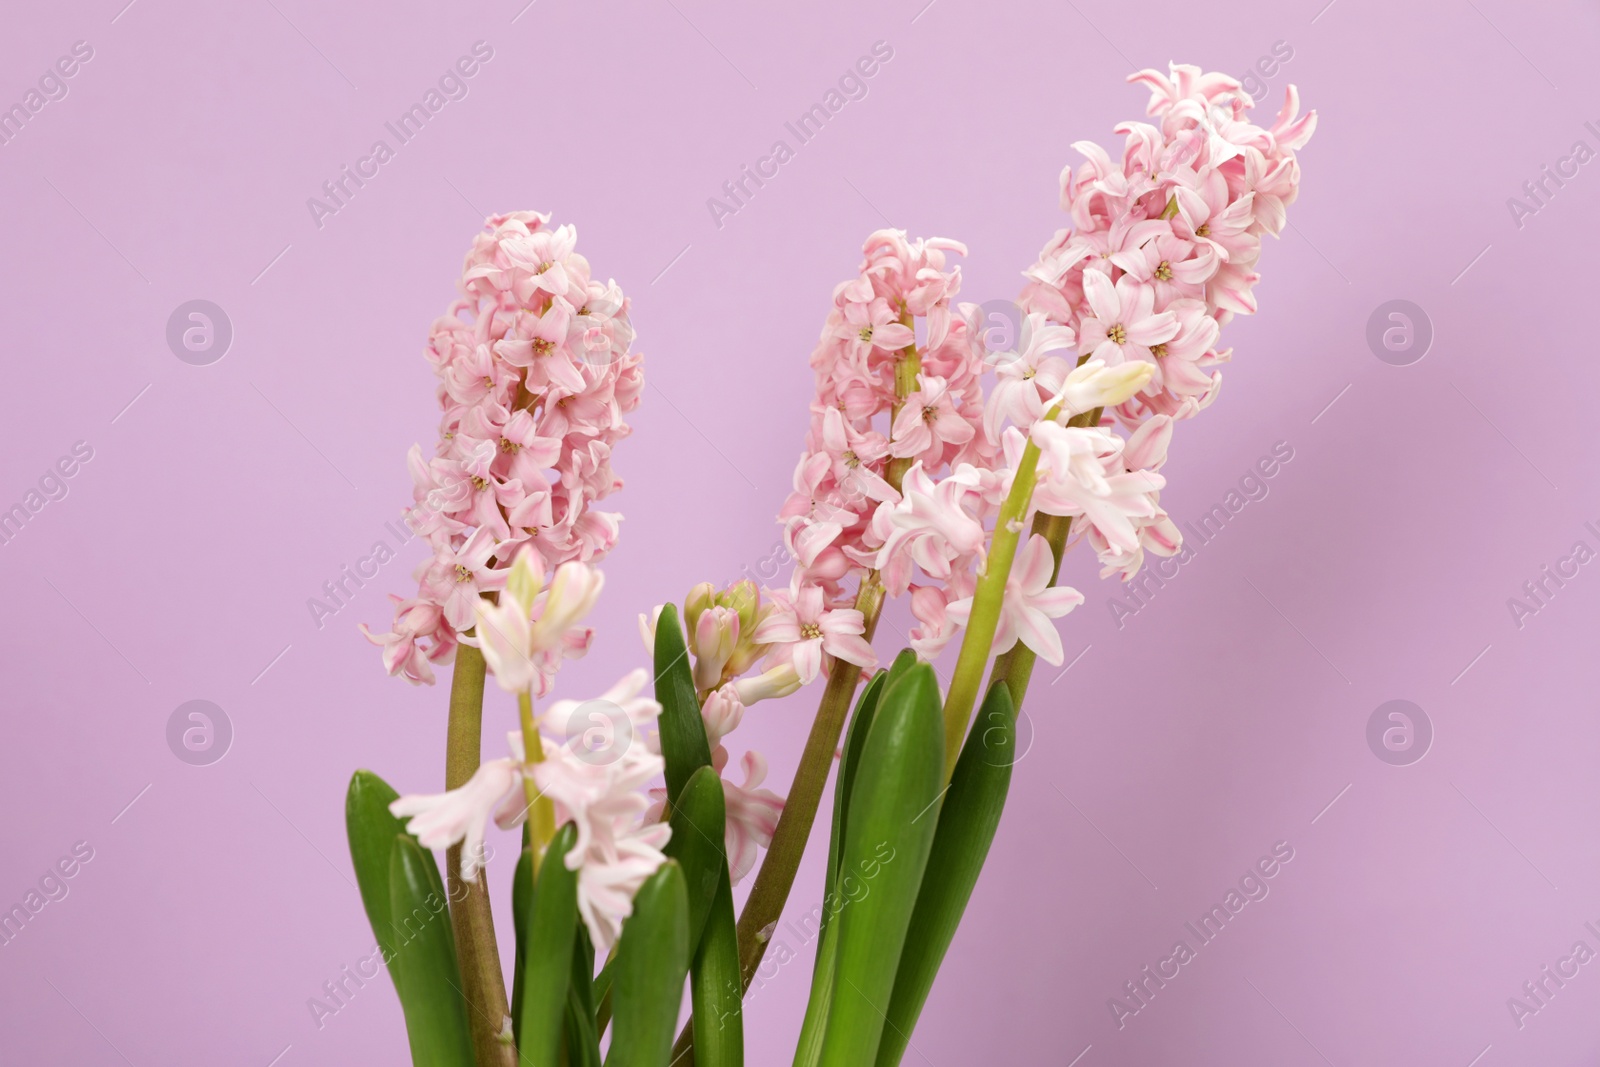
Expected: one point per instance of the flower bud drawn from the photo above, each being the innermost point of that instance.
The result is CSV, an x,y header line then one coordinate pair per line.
x,y
573,591
721,713
699,599
743,597
778,682
716,633
526,578
1095,385
647,628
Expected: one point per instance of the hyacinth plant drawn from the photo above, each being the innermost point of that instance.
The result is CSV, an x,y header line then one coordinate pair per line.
x,y
934,469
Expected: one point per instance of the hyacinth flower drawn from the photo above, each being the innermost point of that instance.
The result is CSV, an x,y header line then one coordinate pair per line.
x,y
1175,230
535,379
933,470
1122,314
901,480
897,372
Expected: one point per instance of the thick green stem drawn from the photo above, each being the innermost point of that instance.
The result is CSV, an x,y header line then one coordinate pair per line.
x,y
484,986
1016,666
987,599
541,813
776,876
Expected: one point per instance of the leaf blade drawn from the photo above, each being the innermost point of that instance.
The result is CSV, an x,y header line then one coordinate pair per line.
x,y
809,1046
684,745
714,988
371,831
698,822
968,819
426,972
652,962
897,786
547,964
583,1040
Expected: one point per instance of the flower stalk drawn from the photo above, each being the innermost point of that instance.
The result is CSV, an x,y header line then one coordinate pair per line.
x,y
775,878
906,370
541,813
1015,667
477,952
987,598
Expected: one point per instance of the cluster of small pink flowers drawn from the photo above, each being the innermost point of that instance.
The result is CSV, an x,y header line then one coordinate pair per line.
x,y
844,518
1161,254
1163,246
1110,484
600,790
940,525
535,378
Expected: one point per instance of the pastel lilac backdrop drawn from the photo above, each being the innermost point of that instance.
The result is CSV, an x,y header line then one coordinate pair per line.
x,y
1222,718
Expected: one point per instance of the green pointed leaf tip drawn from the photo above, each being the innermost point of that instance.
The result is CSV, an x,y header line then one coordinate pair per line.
x,y
652,962
371,831
890,824
968,818
684,745
903,662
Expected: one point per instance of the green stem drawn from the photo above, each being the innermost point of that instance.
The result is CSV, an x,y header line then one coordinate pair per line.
x,y
776,877
1016,666
484,986
906,370
541,813
986,602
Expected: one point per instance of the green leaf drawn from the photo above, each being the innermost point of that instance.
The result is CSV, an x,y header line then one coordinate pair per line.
x,y
697,843
547,966
521,898
583,1044
602,993
684,746
902,664
583,969
424,962
809,1047
855,740
714,987
890,822
371,831
967,822
652,961
583,1040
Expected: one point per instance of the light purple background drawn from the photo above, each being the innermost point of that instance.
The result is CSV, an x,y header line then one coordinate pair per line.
x,y
1222,718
